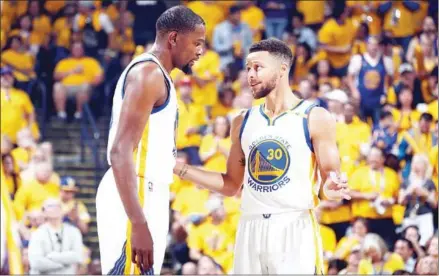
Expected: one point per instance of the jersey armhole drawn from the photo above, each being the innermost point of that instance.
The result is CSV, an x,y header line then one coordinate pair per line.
x,y
244,121
306,126
155,109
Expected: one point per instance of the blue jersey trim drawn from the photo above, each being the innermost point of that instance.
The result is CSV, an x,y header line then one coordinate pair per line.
x,y
306,126
244,121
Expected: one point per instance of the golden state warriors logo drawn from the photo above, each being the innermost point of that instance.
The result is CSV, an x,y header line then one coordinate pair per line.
x,y
372,79
268,164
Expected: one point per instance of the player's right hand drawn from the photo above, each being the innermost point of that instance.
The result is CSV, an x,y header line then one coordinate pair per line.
x,y
142,246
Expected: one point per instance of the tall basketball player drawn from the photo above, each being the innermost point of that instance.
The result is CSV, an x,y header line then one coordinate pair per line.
x,y
279,150
133,197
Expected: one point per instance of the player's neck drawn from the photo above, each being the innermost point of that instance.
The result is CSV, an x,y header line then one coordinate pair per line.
x,y
280,100
163,57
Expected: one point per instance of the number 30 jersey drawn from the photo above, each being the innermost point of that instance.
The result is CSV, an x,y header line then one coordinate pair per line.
x,y
281,172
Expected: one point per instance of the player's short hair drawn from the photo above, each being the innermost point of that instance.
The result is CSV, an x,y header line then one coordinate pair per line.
x,y
275,47
178,18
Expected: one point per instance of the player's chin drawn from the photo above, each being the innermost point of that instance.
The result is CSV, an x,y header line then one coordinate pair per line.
x,y
187,69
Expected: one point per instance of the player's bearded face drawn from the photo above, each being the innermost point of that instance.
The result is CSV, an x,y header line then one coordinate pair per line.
x,y
265,87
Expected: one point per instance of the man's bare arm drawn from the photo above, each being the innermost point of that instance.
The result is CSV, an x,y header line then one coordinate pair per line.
x,y
323,134
227,183
144,87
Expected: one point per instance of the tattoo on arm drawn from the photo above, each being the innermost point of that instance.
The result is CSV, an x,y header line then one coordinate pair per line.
x,y
242,161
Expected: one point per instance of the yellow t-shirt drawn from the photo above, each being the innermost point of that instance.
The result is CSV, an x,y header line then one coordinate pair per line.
x,y
91,69
393,263
219,110
218,162
125,41
345,246
407,120
433,109
179,184
254,17
216,241
22,156
53,6
63,32
359,15
13,9
189,115
211,13
208,65
32,196
84,216
21,61
333,34
191,200
366,181
313,11
15,107
42,26
402,27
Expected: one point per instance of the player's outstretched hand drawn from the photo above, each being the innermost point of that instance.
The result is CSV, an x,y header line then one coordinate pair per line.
x,y
336,186
142,247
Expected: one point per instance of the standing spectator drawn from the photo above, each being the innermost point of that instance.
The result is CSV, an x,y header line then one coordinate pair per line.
x,y
430,30
276,17
232,38
336,38
374,191
377,259
74,211
419,195
304,34
420,139
56,247
404,248
75,76
17,111
367,79
95,25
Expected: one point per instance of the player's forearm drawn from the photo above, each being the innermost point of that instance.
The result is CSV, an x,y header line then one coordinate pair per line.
x,y
213,181
126,182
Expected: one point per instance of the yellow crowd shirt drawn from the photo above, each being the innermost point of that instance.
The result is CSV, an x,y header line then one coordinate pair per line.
x,y
207,66
333,34
91,70
254,17
392,263
189,115
402,26
313,11
191,200
211,13
365,180
218,162
21,61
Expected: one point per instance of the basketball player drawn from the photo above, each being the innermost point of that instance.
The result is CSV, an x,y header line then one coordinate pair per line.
x,y
133,197
278,151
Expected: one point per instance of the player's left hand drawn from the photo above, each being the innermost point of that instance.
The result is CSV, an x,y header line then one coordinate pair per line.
x,y
336,187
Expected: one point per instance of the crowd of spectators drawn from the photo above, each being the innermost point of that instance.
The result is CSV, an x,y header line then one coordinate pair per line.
x,y
372,64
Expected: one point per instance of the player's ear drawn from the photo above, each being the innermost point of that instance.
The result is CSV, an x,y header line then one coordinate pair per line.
x,y
172,38
284,68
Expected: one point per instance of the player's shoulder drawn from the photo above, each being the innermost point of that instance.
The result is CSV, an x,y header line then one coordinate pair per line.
x,y
147,71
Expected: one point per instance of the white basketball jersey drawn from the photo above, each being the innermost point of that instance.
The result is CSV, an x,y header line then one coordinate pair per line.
x,y
155,155
281,171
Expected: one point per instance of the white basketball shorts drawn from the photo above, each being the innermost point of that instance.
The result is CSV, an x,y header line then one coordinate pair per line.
x,y
112,223
285,243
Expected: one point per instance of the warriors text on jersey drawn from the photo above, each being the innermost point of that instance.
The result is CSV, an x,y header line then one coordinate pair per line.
x,y
281,170
155,155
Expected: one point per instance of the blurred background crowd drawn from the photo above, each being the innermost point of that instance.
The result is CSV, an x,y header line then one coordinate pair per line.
x,y
372,64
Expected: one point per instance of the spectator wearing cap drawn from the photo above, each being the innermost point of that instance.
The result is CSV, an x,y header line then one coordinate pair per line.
x,y
55,247
368,79
192,118
419,139
336,38
75,76
407,78
232,38
374,191
75,212
17,110
336,99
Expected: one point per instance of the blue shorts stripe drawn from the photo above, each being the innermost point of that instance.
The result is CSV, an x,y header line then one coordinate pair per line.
x,y
119,266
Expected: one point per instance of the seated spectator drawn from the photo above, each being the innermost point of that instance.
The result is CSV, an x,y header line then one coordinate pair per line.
x,y
55,247
405,115
225,105
26,148
335,101
411,233
17,111
323,71
418,194
75,212
405,249
384,134
30,39
348,243
123,41
374,191
33,194
307,92
215,147
76,76
377,259
189,268
41,24
353,261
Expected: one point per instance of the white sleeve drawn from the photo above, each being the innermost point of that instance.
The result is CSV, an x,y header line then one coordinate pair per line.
x,y
354,65
106,23
388,64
